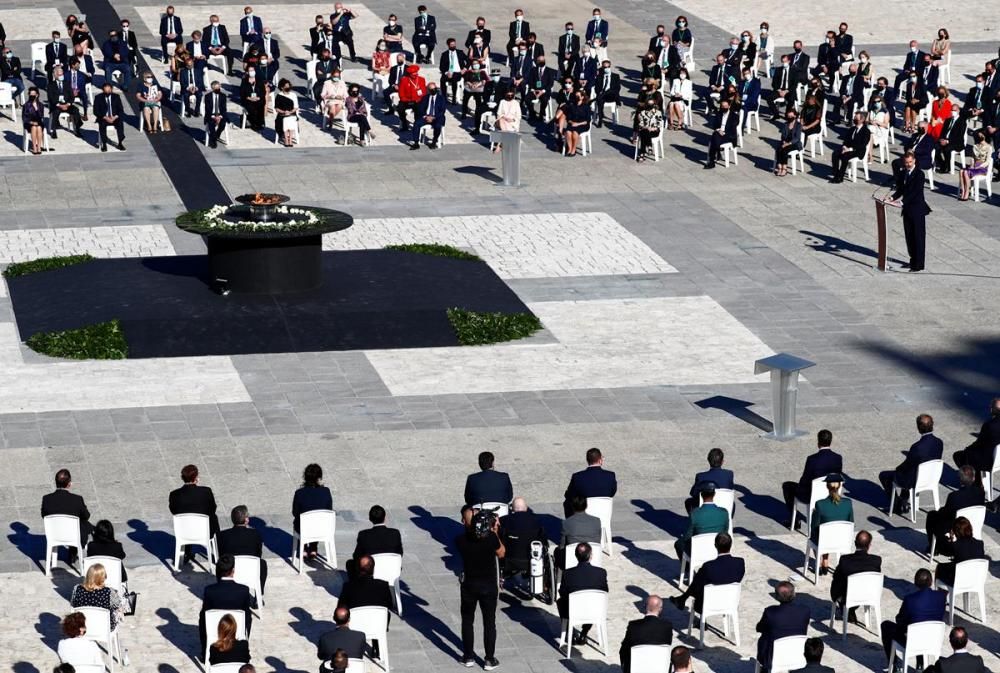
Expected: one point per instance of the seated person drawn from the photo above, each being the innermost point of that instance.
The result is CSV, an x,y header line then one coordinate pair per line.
x,y
928,447
961,661
939,522
724,569
579,578
718,475
192,498
834,507
488,485
650,629
849,564
787,618
819,464
926,604
227,649
105,544
242,540
517,531
593,482
579,527
709,518
379,539
964,547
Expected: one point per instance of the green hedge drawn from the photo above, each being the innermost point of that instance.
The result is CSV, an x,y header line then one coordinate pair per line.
x,y
103,341
473,328
44,264
436,249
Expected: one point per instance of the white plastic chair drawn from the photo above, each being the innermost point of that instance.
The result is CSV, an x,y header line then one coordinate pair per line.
x,y
957,157
656,144
157,120
864,590
702,550
922,639
37,58
389,567
797,156
112,566
814,140
99,630
614,110
988,476
787,654
649,659
588,606
247,573
602,507
726,149
191,529
719,599
976,516
319,525
27,141
817,492
985,180
427,133
226,668
854,163
225,134
7,98
354,666
61,530
212,619
373,621
726,499
499,508
751,117
970,578
219,60
584,147
835,537
928,479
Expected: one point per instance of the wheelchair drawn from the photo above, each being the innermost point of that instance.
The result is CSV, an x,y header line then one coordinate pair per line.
x,y
531,564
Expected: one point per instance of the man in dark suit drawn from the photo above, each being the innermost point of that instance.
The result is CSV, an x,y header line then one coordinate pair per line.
x,y
607,89
597,28
130,40
813,652
787,618
910,192
116,59
479,31
251,27
888,95
724,569
928,73
855,147
749,91
76,79
569,51
979,454
325,66
488,485
977,100
215,42
517,31
62,501
921,144
799,62
852,94
585,70
192,498
911,64
716,474
55,52
718,80
860,561
215,114
725,125
364,589
825,461
424,35
939,522
952,139
594,482
845,43
61,102
928,447
191,88
534,47
452,64
827,59
991,119
108,111
960,661
196,48
171,31
539,88
579,578
520,69
782,87
517,531
659,42
926,604
379,539
10,71
225,594
650,629
242,540
353,643
431,111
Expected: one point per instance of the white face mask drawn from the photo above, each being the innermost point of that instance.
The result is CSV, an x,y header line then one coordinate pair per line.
x,y
251,73
597,17
913,50
149,80
683,76
267,35
215,23
392,22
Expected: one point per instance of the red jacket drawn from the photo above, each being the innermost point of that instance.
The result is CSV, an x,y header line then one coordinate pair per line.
x,y
412,87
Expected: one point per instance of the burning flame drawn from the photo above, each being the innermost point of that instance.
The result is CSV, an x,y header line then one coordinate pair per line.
x,y
260,199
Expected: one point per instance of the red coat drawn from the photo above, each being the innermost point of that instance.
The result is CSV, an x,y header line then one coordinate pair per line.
x,y
940,113
413,87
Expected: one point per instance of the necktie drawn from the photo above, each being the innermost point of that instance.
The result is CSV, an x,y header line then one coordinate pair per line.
x,y
517,29
215,104
170,25
73,85
607,81
452,65
430,106
215,36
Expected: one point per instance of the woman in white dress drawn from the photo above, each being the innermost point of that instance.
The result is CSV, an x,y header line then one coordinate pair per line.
x,y
681,91
508,116
333,95
878,124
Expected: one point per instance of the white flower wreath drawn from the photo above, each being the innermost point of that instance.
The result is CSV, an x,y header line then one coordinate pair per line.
x,y
213,218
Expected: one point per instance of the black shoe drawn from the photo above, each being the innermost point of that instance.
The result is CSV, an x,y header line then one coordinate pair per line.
x,y
903,508
404,128
710,164
121,146
104,148
914,269
432,145
580,639
54,135
598,124
678,602
837,181
490,664
993,505
824,570
415,146
213,145
468,662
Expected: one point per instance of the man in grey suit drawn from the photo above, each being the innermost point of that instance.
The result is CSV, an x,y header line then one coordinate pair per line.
x,y
579,527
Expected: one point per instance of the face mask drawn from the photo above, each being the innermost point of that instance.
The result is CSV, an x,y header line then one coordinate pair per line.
x,y
763,31
381,47
263,63
683,76
148,80
124,26
335,78
522,51
913,50
432,91
518,17
248,14
475,66
733,45
798,50
979,85
392,22
34,95
251,73
267,35
509,96
55,40
681,24
913,79
480,25
569,31
746,38
216,90
423,15
215,23
8,55
597,16
660,33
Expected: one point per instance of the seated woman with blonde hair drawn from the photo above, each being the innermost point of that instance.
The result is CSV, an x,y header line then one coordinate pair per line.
x,y
94,594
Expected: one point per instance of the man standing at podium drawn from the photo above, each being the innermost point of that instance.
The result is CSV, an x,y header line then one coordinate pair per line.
x,y
910,192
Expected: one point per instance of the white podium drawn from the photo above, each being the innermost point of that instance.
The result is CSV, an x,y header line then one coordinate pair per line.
x,y
784,370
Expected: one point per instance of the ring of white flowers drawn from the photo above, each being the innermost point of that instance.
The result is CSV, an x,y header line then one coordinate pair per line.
x,y
300,217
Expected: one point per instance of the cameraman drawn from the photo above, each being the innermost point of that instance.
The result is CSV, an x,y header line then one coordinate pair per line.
x,y
517,531
480,547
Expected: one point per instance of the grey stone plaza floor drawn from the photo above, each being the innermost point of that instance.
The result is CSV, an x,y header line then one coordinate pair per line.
x,y
659,284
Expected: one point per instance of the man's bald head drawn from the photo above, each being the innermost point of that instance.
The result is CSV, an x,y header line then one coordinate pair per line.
x,y
520,504
341,616
863,540
654,605
366,565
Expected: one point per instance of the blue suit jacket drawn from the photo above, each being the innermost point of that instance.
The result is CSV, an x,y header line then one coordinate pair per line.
x,y
923,605
720,476
595,28
928,447
594,482
440,104
488,486
587,72
779,621
309,498
750,94
258,26
726,569
819,464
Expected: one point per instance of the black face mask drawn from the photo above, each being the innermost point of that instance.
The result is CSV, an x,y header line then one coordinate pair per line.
x,y
798,50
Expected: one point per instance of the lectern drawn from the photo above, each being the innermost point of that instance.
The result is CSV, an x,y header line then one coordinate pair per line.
x,y
784,370
511,155
881,202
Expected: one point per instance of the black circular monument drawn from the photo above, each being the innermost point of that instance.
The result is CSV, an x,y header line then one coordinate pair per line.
x,y
263,246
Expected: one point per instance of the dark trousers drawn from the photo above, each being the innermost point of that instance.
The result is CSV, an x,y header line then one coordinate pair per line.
x,y
938,525
255,114
841,160
486,597
102,127
345,38
785,103
424,54
604,98
214,129
450,81
914,228
402,109
74,117
420,123
362,122
480,105
646,142
789,489
887,478
782,152
682,547
942,157
164,42
543,105
191,110
717,141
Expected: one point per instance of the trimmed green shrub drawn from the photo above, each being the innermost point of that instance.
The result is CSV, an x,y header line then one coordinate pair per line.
x,y
44,264
436,249
473,328
103,341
